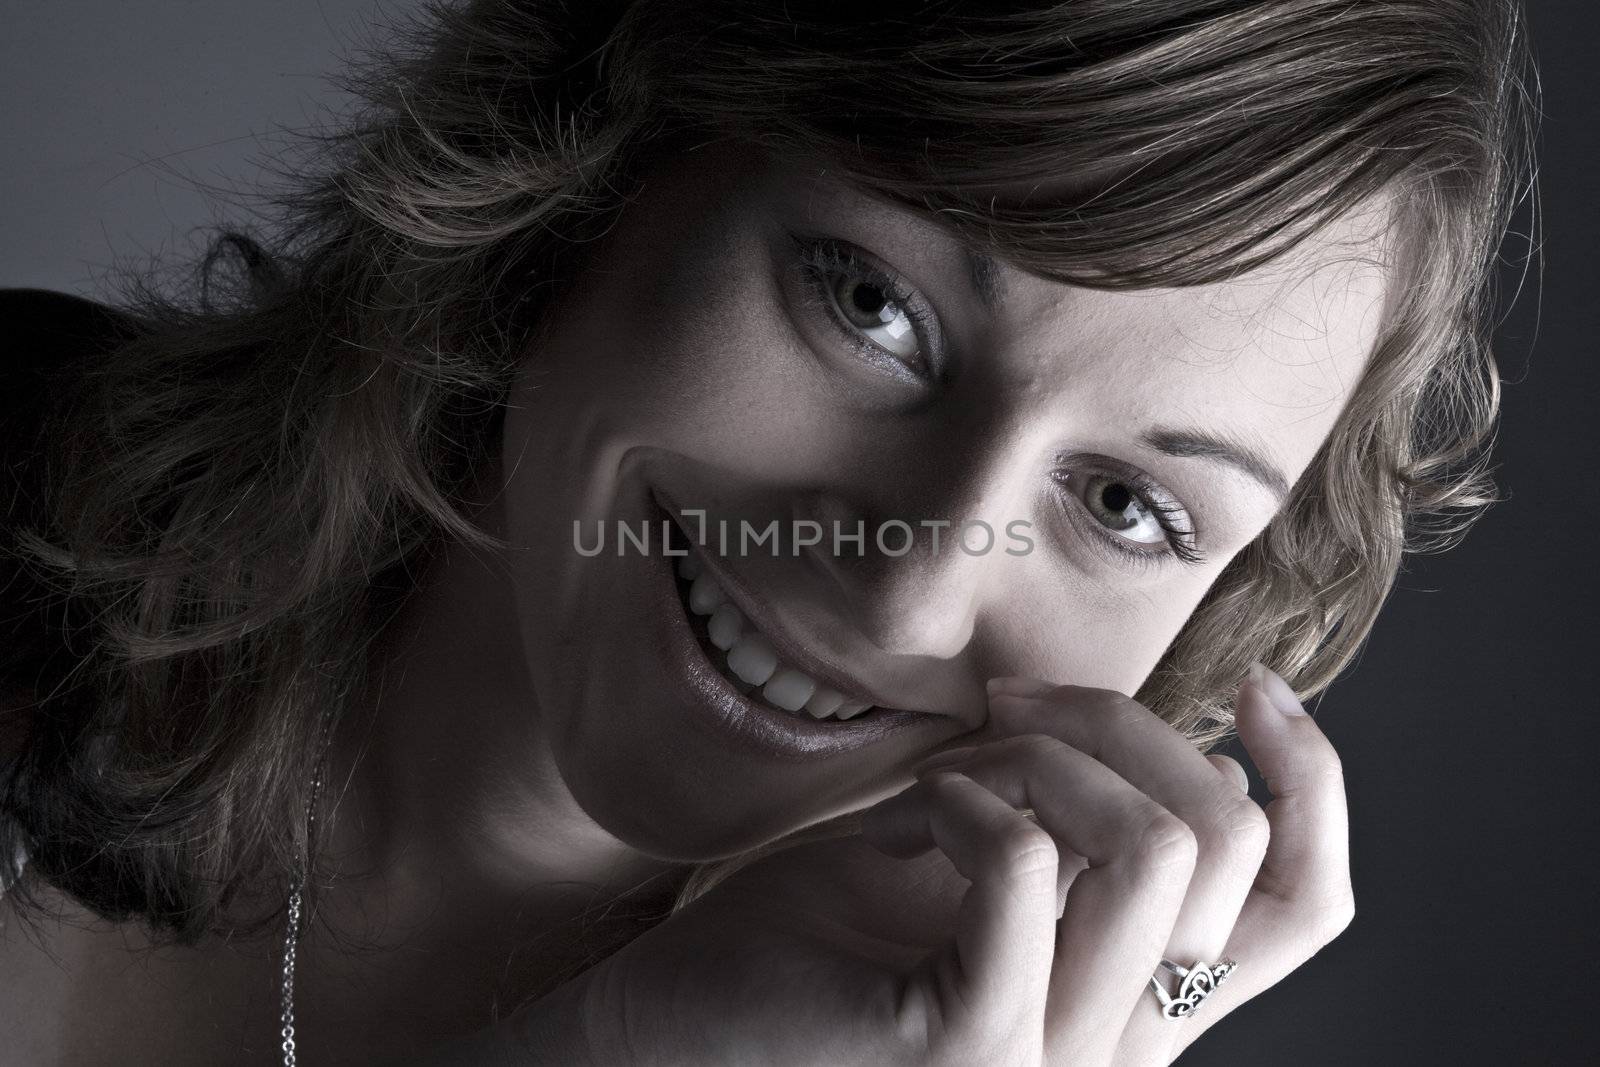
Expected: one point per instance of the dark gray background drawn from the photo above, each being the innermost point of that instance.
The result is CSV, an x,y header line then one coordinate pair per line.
x,y
1465,726
110,111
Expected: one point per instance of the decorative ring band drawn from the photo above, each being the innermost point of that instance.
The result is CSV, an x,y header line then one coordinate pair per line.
x,y
1198,983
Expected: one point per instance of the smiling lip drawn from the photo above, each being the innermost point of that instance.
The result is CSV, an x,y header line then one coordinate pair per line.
x,y
765,730
754,608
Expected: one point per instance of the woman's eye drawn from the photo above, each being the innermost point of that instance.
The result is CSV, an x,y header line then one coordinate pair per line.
x,y
882,321
1116,507
1132,510
877,314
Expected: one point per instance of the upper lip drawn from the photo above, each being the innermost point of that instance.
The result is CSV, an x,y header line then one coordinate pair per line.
x,y
754,608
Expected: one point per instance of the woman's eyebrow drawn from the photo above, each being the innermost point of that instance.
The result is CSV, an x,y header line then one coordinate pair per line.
x,y
1200,444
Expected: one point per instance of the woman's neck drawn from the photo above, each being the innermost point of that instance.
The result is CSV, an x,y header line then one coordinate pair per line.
x,y
452,834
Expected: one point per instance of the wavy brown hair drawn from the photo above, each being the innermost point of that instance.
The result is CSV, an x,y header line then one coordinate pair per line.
x,y
231,503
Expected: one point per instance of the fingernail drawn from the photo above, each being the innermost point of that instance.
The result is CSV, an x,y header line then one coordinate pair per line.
x,y
1017,687
947,758
1275,689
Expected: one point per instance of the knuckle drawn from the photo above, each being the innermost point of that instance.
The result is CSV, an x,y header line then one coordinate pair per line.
x,y
1334,918
943,783
1320,929
1243,830
1165,844
1325,766
1027,854
1318,919
1123,710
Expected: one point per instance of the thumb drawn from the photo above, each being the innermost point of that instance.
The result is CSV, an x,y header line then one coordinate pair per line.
x,y
1301,769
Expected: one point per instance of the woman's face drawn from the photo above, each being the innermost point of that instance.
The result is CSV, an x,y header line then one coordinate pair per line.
x,y
755,344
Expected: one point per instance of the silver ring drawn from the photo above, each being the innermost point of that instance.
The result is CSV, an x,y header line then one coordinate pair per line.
x,y
1198,983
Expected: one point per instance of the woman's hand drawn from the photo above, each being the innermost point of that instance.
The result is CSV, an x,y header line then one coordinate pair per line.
x,y
1192,868
990,938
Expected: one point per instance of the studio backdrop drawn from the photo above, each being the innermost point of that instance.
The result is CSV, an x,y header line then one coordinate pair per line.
x,y
1467,725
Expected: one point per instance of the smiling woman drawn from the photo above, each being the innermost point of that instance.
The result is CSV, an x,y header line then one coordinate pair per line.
x,y
1059,369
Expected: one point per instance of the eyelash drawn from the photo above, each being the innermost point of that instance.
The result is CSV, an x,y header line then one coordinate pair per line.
x,y
823,259
1180,535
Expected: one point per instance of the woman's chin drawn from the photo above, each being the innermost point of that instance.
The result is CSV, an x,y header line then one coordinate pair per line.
x,y
661,747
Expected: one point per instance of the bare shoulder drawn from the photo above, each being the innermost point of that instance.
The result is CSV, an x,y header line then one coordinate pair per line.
x,y
38,959
75,989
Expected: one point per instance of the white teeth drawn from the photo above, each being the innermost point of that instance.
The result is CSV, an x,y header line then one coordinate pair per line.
x,y
725,626
753,659
789,689
824,702
705,595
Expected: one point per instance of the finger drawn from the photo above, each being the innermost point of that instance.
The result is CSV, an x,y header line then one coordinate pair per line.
x,y
1120,909
1232,770
1230,829
1017,686
1155,758
1069,863
1302,897
1004,941
1310,850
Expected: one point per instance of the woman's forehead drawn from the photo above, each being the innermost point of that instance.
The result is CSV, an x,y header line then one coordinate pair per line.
x,y
1322,301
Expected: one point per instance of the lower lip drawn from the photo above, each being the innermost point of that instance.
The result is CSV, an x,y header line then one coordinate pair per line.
x,y
754,726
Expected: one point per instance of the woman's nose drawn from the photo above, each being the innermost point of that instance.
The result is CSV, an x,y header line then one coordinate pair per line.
x,y
918,578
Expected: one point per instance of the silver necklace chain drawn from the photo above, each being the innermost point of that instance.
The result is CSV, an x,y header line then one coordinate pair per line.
x,y
290,939
291,935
